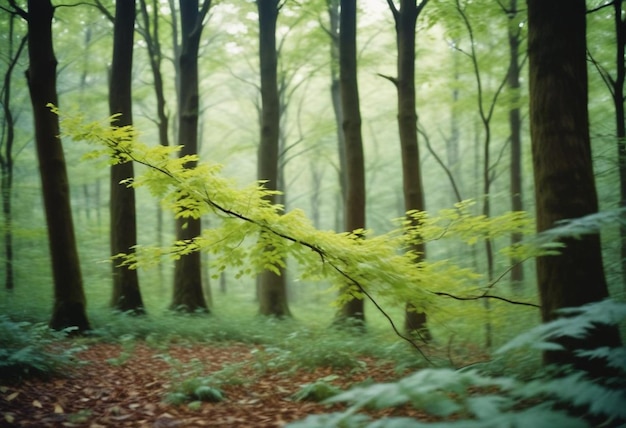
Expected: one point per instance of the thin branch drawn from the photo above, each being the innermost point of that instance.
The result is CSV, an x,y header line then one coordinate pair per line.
x,y
457,192
485,296
602,6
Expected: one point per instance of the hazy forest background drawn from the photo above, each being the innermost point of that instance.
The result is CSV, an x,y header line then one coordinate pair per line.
x,y
473,134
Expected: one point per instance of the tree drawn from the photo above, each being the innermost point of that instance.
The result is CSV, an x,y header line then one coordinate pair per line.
x,y
515,125
562,167
6,155
188,294
69,298
149,30
615,85
272,285
355,165
405,19
335,92
126,293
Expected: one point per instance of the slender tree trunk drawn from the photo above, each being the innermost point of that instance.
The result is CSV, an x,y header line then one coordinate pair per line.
x,y
415,321
515,129
355,168
6,158
620,121
188,294
153,44
126,294
563,168
272,288
69,298
335,93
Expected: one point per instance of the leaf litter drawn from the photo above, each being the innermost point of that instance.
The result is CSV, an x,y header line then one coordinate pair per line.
x,y
108,390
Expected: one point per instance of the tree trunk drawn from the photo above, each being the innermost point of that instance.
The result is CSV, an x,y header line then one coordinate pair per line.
x,y
562,167
415,321
153,45
335,92
355,168
6,158
515,128
188,295
69,298
272,288
126,294
620,121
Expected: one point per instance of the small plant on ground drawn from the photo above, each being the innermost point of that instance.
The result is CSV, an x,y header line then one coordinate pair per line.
x,y
320,390
192,386
32,350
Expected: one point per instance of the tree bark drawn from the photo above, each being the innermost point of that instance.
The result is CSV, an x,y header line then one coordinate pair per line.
x,y
126,295
415,321
69,298
188,295
272,288
564,180
355,168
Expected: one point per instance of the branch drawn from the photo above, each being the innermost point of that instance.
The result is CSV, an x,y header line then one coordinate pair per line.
x,y
457,193
602,6
264,227
485,296
392,79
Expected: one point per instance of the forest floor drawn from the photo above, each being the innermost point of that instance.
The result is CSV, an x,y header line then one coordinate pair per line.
x,y
117,386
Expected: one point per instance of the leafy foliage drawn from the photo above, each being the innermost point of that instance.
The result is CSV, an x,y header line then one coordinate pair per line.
x,y
486,401
244,225
32,350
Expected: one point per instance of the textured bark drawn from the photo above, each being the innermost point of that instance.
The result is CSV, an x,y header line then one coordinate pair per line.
x,y
126,293
188,294
563,173
69,298
405,18
355,169
272,288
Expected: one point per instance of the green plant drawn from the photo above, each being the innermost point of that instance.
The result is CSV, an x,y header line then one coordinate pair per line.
x,y
319,390
191,386
28,350
555,398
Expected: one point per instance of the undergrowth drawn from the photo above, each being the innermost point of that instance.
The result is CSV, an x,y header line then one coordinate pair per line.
x,y
555,397
32,350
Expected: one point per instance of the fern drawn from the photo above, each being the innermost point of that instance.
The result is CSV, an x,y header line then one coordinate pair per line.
x,y
444,392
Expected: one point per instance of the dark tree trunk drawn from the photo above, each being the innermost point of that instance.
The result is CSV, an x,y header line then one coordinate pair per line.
x,y
620,121
126,294
6,158
335,93
415,321
272,288
562,166
69,298
355,168
188,295
515,128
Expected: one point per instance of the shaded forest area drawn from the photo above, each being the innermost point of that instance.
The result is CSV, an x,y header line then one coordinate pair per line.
x,y
338,193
